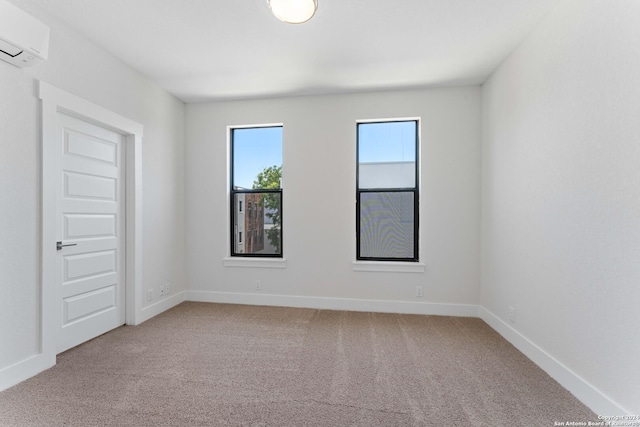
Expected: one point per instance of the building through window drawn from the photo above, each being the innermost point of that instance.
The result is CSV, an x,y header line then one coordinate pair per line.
x,y
387,191
256,182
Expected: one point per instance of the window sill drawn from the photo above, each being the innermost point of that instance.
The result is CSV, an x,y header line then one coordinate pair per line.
x,y
389,267
255,262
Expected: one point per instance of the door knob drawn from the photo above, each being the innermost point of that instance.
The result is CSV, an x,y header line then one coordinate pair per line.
x,y
59,245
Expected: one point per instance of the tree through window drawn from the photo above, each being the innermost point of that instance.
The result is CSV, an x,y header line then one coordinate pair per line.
x,y
256,182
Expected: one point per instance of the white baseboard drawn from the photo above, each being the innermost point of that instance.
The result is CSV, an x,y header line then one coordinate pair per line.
x,y
25,369
163,305
324,303
581,389
31,366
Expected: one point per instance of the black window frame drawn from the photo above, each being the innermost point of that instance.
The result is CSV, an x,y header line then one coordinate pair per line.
x,y
415,190
237,190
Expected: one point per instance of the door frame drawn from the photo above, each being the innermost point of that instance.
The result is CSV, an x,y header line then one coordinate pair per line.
x,y
55,100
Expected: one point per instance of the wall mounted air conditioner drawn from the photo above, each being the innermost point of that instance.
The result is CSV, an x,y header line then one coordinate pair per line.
x,y
24,41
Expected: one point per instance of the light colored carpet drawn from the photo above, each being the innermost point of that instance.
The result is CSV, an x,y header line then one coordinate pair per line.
x,y
216,365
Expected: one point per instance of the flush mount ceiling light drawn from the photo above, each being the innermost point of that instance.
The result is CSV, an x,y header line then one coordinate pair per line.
x,y
293,11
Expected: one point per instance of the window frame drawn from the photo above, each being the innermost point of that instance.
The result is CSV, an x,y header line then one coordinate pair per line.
x,y
415,190
233,191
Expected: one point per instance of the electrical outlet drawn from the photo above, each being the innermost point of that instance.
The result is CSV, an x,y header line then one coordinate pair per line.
x,y
512,314
149,294
258,285
419,291
164,289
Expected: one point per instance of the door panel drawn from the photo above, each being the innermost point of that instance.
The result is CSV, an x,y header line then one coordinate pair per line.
x,y
77,287
91,264
81,306
90,213
89,225
84,186
93,148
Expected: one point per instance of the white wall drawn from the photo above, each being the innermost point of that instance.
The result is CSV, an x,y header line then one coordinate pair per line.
x,y
319,198
561,193
78,66
559,213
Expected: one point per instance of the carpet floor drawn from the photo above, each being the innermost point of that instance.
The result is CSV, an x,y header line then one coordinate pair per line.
x,y
202,364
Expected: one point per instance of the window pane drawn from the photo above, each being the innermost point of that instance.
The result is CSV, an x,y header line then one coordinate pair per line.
x,y
257,158
387,175
387,155
260,225
387,225
387,141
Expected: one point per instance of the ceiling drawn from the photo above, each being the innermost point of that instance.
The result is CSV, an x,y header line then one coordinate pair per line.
x,y
201,50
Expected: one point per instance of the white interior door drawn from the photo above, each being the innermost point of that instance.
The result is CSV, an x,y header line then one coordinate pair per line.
x,y
90,231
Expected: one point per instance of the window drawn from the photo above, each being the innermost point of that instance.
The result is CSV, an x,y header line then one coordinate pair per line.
x,y
387,191
256,181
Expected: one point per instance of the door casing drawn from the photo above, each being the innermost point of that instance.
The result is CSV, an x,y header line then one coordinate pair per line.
x,y
55,100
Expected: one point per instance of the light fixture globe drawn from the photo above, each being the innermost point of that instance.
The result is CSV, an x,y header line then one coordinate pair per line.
x,y
293,11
